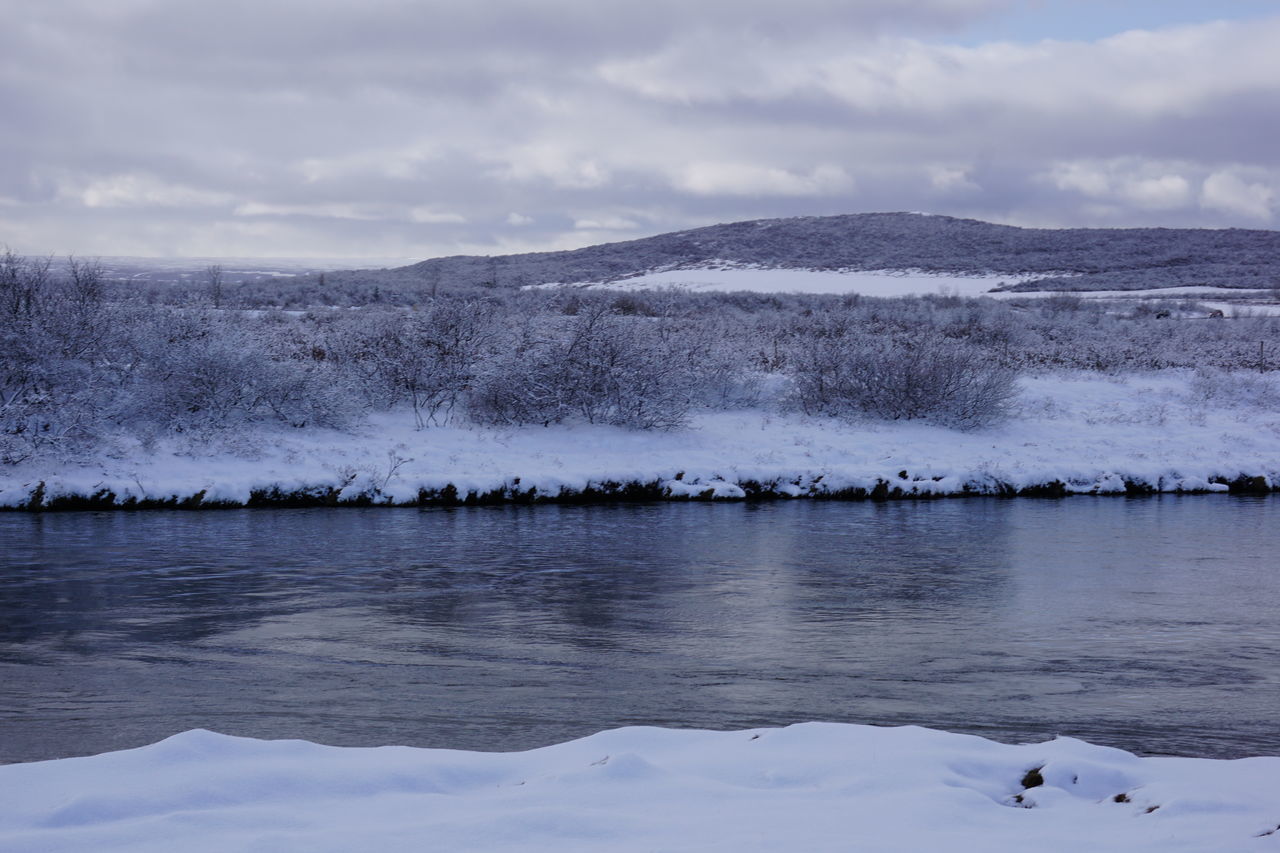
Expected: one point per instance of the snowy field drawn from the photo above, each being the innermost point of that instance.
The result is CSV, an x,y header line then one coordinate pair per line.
x,y
810,787
894,283
729,278
1166,431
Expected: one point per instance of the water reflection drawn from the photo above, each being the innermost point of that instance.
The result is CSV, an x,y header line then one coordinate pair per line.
x,y
1149,624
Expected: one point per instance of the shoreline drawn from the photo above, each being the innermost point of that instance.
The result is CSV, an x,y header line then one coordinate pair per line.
x,y
611,492
1071,433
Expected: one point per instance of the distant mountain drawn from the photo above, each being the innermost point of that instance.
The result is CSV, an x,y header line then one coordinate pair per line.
x,y
1084,258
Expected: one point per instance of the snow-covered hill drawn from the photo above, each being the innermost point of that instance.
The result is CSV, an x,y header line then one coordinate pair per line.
x,y
1066,258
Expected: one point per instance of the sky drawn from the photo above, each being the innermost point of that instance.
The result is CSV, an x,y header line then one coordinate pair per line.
x,y
417,128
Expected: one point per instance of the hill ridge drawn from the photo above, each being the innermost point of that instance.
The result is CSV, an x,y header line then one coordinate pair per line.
x,y
1082,258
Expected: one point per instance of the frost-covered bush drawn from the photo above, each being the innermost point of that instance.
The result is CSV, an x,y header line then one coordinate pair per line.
x,y
909,377
204,374
425,357
83,359
55,342
598,367
1236,389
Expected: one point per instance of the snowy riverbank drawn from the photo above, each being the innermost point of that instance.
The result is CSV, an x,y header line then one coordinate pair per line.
x,y
813,787
1072,433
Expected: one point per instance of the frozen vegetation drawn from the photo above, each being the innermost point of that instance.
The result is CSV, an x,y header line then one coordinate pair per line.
x,y
110,396
812,787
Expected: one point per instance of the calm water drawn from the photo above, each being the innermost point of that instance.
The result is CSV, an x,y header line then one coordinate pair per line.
x,y
1149,624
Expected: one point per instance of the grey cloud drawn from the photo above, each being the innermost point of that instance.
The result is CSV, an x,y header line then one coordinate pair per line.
x,y
392,127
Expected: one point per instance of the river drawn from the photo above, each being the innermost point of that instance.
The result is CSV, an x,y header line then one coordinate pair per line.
x,y
1152,624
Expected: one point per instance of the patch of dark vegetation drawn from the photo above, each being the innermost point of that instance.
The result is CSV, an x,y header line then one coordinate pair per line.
x,y
101,499
1139,487
610,491
1033,778
1055,489
294,499
105,499
1244,484
606,491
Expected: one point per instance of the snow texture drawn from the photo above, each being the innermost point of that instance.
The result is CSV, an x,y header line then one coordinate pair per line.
x,y
812,787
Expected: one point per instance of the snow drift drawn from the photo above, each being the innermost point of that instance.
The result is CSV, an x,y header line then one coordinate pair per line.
x,y
812,787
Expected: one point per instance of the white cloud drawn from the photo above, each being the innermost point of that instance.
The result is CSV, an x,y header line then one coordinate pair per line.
x,y
325,210
747,179
401,162
432,216
519,219
1085,178
557,164
604,223
1125,182
1163,193
1227,191
139,190
949,179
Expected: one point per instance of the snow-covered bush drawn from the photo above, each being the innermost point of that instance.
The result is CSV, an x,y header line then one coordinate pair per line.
x,y
1236,389
426,357
83,358
906,377
598,367
55,338
204,374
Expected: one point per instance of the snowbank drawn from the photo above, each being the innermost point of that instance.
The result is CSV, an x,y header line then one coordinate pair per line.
x,y
811,787
1083,433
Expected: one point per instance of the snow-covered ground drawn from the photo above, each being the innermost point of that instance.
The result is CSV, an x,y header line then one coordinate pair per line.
x,y
727,278
733,278
1244,308
810,787
1235,302
1167,431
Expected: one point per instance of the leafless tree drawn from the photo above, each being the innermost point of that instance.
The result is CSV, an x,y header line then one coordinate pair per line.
x,y
213,279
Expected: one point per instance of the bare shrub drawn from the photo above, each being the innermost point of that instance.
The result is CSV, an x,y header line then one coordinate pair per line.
x,y
426,358
1236,389
53,334
601,368
199,374
919,377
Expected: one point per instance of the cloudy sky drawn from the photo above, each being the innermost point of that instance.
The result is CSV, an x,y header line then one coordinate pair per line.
x,y
413,128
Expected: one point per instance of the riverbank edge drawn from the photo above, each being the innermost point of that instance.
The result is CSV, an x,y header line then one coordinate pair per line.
x,y
39,499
